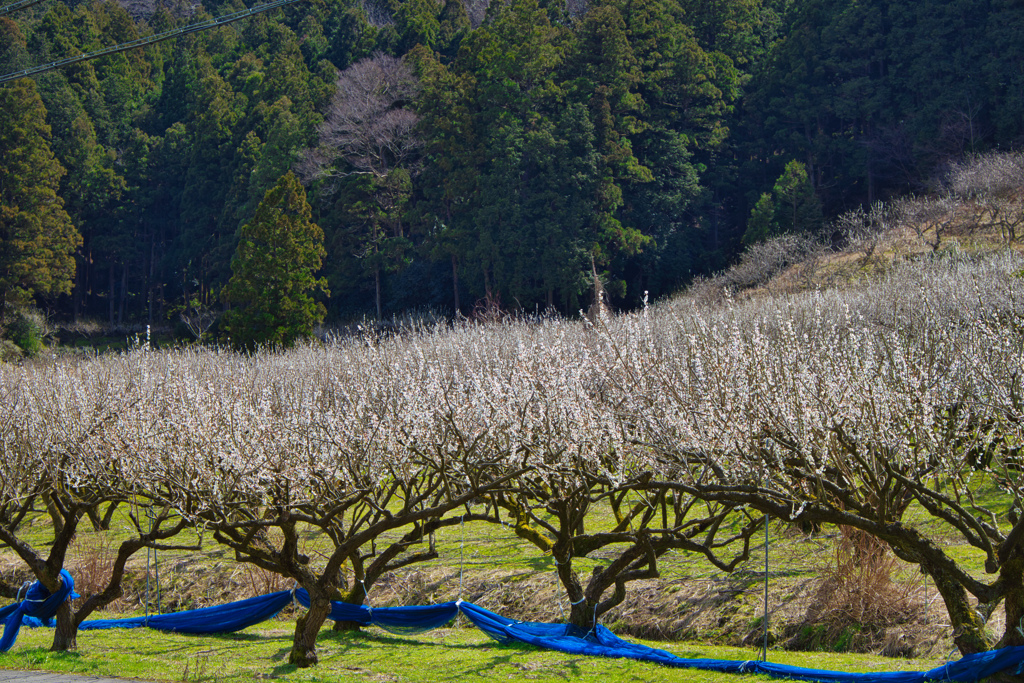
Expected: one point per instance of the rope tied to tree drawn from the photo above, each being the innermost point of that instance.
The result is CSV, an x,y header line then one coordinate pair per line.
x,y
561,605
366,597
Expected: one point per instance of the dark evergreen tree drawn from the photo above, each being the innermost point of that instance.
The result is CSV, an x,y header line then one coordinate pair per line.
x,y
37,237
273,279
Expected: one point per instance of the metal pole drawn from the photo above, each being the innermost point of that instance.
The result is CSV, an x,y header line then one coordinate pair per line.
x,y
147,585
156,563
764,646
156,567
156,571
925,595
764,649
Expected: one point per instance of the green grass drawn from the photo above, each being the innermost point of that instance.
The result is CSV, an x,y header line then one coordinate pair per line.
x,y
478,550
462,654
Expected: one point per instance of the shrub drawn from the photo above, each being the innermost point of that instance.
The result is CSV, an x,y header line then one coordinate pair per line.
x,y
757,266
859,591
26,329
10,352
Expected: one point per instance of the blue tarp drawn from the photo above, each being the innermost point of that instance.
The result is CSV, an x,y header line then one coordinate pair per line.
x,y
38,603
561,637
603,643
406,620
228,618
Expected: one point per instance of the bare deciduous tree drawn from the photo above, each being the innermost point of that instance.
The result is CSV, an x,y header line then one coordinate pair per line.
x,y
369,126
994,184
929,217
369,129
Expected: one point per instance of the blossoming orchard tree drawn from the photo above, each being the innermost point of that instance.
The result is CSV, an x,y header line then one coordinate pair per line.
x,y
880,408
336,442
576,456
854,409
63,428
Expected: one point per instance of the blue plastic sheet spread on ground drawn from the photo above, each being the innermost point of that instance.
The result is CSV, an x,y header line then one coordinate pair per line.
x,y
561,637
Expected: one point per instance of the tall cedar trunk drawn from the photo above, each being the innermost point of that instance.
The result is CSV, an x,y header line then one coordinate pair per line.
x,y
149,280
76,293
123,295
65,635
307,627
376,283
455,284
110,298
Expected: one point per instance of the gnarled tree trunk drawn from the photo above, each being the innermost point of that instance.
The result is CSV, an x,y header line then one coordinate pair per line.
x,y
65,635
307,627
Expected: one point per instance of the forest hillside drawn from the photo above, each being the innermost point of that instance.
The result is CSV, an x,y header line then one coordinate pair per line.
x,y
456,155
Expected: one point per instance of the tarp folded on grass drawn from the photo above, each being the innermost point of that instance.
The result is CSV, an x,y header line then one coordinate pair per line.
x,y
561,637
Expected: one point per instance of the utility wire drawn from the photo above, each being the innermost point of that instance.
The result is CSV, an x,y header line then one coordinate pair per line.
x,y
149,40
7,9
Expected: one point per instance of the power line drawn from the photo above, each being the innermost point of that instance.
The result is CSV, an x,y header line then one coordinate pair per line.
x,y
18,5
142,42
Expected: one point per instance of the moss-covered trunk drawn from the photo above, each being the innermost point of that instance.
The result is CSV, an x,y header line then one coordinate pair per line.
x,y
1011,576
968,627
356,596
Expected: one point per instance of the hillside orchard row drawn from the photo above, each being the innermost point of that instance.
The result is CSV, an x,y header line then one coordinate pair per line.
x,y
690,423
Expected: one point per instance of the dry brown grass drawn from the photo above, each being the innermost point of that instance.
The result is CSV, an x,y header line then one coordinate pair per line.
x,y
252,581
861,594
92,561
862,245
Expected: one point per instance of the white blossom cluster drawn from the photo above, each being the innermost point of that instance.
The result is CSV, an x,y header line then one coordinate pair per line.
x,y
914,374
920,372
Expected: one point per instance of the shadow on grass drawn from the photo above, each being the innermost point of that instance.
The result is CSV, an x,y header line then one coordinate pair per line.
x,y
360,640
488,656
541,563
241,637
367,639
283,670
219,642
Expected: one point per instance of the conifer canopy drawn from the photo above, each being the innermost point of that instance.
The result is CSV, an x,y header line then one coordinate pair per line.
x,y
274,271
